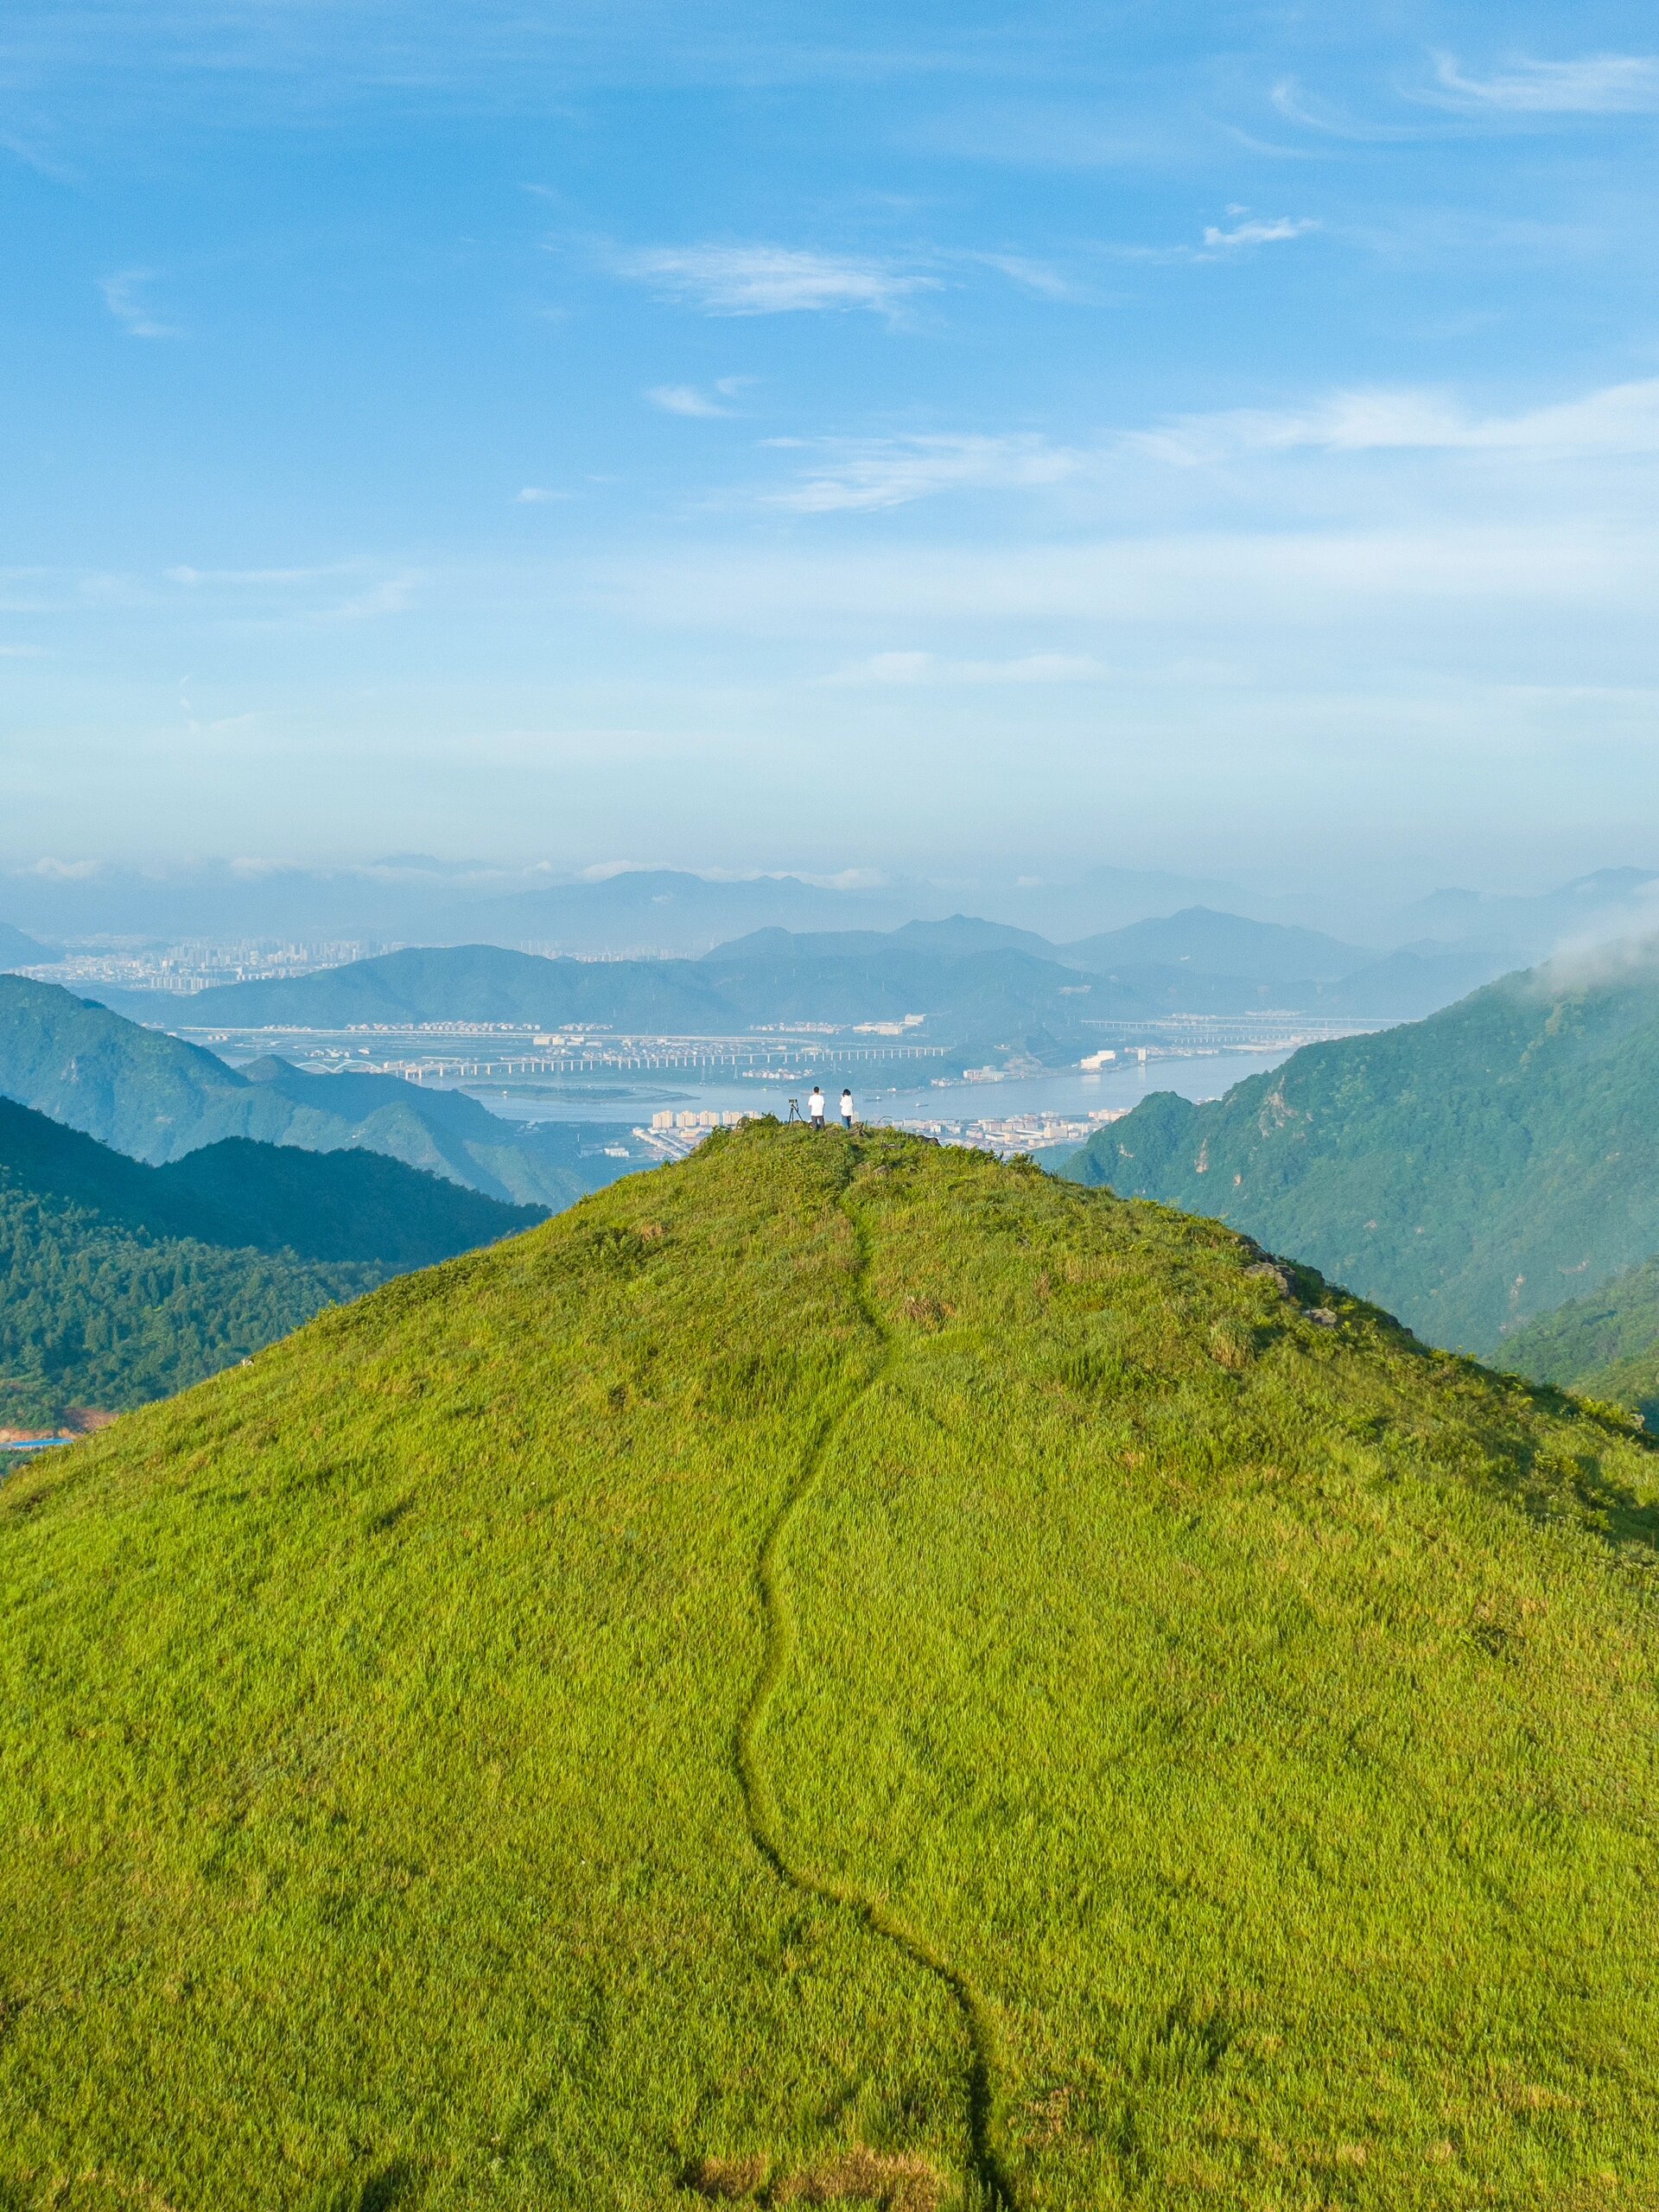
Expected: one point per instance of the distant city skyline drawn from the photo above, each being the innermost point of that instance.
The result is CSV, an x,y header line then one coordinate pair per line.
x,y
740,436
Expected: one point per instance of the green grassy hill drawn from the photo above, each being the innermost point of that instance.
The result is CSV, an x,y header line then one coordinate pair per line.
x,y
121,1282
838,1671
1469,1172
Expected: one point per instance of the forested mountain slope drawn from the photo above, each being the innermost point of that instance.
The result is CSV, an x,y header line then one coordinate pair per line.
x,y
349,1205
98,1312
157,1097
337,1206
1469,1172
845,1672
120,1282
1605,1345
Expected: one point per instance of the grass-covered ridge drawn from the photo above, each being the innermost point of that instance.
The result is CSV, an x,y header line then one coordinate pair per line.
x,y
839,1666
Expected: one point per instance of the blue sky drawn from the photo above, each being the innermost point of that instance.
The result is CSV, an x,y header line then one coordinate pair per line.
x,y
833,437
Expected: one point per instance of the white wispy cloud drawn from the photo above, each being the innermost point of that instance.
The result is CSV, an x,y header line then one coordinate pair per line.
x,y
872,473
684,399
34,157
1312,113
1035,277
742,280
123,297
687,399
271,598
927,668
1257,229
538,495
1619,420
1597,84
1206,588
246,579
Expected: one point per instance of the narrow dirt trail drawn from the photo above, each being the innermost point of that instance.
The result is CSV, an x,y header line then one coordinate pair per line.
x,y
766,1823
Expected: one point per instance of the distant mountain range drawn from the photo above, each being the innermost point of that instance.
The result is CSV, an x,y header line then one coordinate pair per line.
x,y
415,898
1223,945
664,910
1470,1171
1196,961
17,950
983,986
1211,943
121,1282
975,1003
155,1097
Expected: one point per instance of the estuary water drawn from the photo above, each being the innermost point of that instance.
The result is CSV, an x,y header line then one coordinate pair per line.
x,y
1068,1091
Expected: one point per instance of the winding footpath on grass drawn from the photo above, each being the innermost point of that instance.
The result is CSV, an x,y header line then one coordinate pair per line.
x,y
759,1800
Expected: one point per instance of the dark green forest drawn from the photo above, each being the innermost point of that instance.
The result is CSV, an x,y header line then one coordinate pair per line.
x,y
1605,1346
121,1282
97,1313
1470,1172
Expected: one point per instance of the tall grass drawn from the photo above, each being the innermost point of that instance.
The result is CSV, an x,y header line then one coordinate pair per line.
x,y
838,1665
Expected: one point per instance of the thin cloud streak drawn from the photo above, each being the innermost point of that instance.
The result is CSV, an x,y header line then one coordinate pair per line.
x,y
871,476
278,598
1033,277
701,406
1599,83
863,478
123,297
1295,104
1266,586
1258,232
1620,420
925,668
754,280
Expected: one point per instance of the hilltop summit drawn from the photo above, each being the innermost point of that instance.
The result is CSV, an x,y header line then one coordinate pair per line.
x,y
837,1671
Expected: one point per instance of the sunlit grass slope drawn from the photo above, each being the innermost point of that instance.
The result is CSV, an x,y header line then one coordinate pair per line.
x,y
840,1671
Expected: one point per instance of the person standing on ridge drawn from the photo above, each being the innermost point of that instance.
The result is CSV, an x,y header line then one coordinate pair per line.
x,y
847,1111
815,1108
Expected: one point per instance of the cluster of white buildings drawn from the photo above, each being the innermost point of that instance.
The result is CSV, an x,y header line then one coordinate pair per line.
x,y
672,1136
195,964
1007,1134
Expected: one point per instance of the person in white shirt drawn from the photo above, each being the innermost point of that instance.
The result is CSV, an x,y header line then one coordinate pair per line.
x,y
847,1109
815,1108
